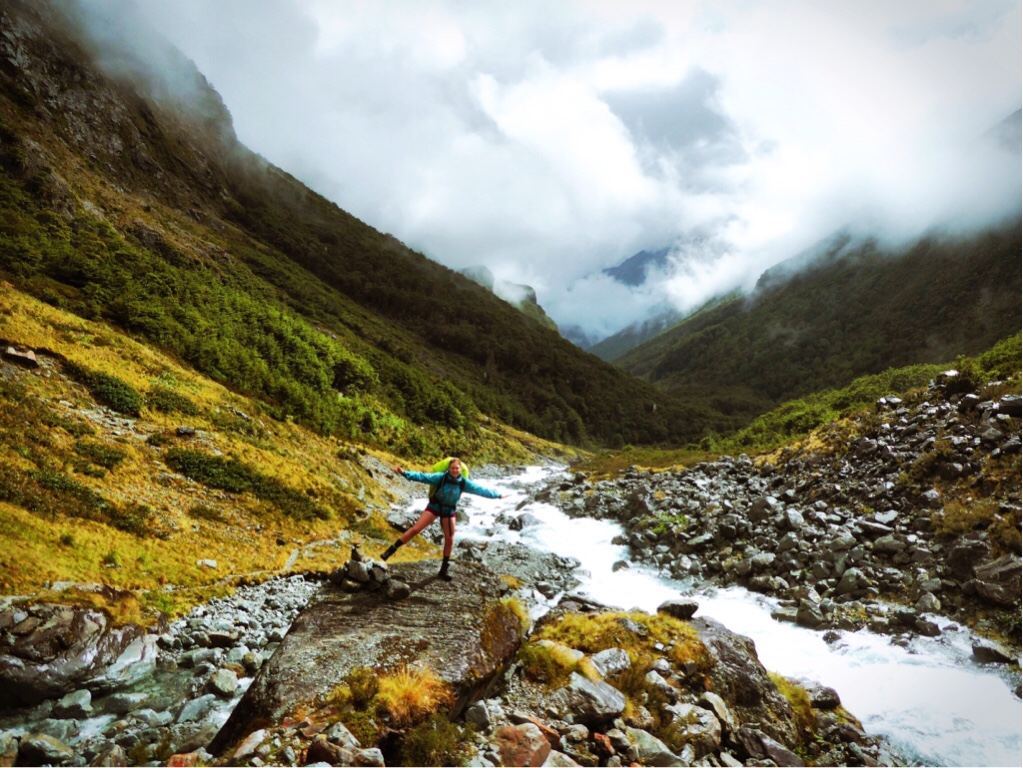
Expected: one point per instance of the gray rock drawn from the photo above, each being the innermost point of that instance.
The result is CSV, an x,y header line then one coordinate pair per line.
x,y
852,580
525,520
223,682
40,749
698,727
357,571
680,609
611,661
656,681
651,750
338,734
590,703
123,703
136,662
987,653
75,705
371,758
111,755
964,557
781,754
196,709
809,614
928,603
338,632
153,718
397,590
889,545
822,697
478,714
59,649
713,702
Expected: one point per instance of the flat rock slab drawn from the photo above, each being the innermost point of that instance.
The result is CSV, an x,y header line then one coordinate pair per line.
x,y
460,629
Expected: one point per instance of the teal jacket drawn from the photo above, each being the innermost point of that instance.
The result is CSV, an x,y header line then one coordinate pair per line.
x,y
448,492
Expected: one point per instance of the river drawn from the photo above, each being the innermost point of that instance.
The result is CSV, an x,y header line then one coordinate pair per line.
x,y
933,702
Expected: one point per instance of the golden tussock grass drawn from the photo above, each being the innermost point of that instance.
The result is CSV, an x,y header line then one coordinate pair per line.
x,y
411,694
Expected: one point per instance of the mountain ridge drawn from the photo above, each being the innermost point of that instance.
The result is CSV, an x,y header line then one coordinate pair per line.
x,y
847,311
211,221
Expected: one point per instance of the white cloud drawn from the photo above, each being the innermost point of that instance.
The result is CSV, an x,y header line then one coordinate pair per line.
x,y
551,140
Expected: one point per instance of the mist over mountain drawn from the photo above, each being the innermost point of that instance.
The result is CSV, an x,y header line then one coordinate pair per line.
x,y
847,308
521,296
122,203
633,271
670,283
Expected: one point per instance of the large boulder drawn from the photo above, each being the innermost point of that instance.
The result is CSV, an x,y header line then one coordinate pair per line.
x,y
738,677
461,630
48,650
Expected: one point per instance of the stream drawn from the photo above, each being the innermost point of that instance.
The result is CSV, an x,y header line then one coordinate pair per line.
x,y
931,700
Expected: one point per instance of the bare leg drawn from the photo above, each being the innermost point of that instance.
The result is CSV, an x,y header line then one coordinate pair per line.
x,y
424,520
447,524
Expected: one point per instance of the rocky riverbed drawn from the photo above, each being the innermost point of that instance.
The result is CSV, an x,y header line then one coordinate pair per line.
x,y
846,532
175,690
849,533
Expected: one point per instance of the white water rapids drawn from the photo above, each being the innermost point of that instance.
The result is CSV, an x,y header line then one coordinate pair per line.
x,y
931,700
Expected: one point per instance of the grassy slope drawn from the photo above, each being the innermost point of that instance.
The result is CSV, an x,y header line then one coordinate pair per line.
x,y
60,452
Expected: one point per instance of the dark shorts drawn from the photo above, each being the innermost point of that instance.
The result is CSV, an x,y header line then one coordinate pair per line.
x,y
440,511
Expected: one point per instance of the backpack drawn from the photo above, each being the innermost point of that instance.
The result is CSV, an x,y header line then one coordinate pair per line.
x,y
442,466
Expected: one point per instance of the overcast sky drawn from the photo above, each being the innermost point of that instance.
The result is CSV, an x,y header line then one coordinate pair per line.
x,y
549,140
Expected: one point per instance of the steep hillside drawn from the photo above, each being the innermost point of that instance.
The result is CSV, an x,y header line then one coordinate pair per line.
x,y
848,313
119,465
125,195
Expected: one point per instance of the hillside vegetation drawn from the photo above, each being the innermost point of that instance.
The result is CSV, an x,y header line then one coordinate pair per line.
x,y
795,420
846,314
122,199
120,466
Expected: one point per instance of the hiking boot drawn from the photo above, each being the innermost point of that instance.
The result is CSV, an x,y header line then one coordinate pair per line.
x,y
391,549
444,570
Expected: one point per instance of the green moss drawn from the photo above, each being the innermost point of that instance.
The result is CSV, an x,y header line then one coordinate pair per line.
x,y
437,741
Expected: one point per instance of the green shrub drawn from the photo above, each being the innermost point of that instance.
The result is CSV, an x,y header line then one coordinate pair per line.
x,y
100,454
364,685
111,559
437,741
135,518
234,476
214,471
542,665
1003,360
168,401
108,390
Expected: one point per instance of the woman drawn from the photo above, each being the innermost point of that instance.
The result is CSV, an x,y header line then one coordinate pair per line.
x,y
450,485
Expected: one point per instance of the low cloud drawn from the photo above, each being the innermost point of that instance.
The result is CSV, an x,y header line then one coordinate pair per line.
x,y
549,141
